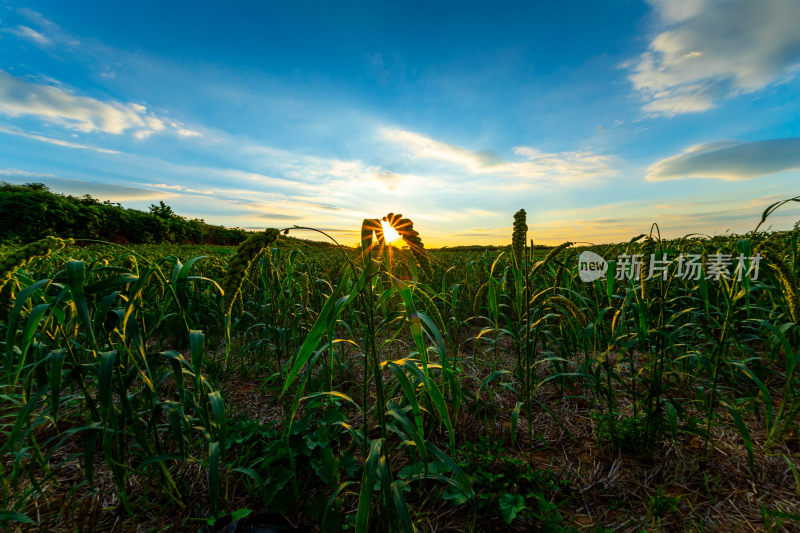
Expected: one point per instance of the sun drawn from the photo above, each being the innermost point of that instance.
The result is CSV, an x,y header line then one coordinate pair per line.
x,y
389,233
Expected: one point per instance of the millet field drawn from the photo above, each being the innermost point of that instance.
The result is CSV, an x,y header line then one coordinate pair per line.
x,y
174,387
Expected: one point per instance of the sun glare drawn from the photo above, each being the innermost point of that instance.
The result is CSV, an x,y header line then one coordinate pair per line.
x,y
389,233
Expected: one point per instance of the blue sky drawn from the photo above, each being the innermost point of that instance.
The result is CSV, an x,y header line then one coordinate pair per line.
x,y
598,118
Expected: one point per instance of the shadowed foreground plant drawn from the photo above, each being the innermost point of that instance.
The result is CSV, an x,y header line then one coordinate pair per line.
x,y
405,229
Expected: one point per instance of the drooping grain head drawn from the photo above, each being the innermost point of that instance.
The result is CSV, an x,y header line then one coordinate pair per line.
x,y
130,263
240,262
647,250
480,299
405,228
430,307
550,255
570,307
783,271
19,258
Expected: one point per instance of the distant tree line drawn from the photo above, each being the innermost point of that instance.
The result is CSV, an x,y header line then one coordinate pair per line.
x,y
489,247
31,211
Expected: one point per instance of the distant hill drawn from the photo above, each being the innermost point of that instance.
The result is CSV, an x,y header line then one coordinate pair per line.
x,y
31,211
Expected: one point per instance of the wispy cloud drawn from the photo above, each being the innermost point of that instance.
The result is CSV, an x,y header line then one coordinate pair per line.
x,y
46,32
707,50
186,132
338,179
18,173
57,142
536,165
57,105
29,34
729,160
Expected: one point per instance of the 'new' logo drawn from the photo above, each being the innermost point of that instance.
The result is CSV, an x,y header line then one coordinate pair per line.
x,y
591,266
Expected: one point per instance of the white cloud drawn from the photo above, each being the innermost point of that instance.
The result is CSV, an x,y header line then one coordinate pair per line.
x,y
54,104
185,132
537,165
729,160
708,50
25,32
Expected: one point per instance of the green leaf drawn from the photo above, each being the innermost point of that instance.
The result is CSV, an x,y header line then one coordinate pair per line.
x,y
11,516
75,277
56,365
765,395
511,505
238,514
196,342
401,507
461,479
218,407
14,318
110,283
333,394
213,474
411,430
491,377
409,394
453,493
104,382
368,479
22,418
737,418
252,474
31,325
325,524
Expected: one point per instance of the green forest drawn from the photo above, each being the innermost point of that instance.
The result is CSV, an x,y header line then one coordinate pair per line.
x,y
31,211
